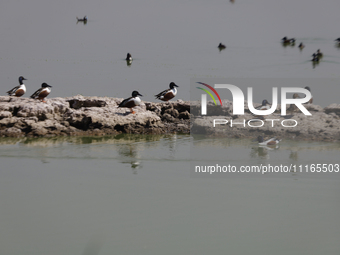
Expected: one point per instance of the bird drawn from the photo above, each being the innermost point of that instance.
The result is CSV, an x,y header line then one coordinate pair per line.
x,y
132,101
338,40
315,58
168,94
319,54
301,46
264,106
287,41
84,20
221,46
271,141
20,90
43,92
128,59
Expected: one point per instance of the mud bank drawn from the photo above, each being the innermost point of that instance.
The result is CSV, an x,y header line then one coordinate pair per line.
x,y
88,116
97,116
323,125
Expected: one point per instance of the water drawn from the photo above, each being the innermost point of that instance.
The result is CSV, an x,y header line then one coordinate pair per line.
x,y
135,194
169,41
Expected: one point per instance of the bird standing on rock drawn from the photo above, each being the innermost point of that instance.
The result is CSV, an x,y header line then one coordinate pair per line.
x,y
18,91
168,94
43,92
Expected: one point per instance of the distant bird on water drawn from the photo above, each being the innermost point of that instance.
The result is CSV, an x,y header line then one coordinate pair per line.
x,y
131,102
43,92
301,46
286,41
221,46
84,20
168,94
18,91
128,59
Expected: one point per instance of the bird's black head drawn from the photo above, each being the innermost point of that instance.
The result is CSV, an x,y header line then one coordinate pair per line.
x,y
45,85
21,78
308,88
265,102
136,93
172,85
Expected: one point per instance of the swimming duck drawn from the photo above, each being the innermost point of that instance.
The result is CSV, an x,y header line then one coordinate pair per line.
x,y
18,91
43,92
271,141
264,106
168,94
286,41
315,58
338,40
221,46
128,57
319,54
131,102
301,46
84,20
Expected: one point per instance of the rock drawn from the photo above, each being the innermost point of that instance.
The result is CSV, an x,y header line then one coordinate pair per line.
x,y
81,115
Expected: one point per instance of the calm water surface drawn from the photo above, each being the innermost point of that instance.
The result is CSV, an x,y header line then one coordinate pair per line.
x,y
131,194
135,194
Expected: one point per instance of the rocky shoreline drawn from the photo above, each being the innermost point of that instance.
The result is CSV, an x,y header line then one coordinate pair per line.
x,y
98,116
89,116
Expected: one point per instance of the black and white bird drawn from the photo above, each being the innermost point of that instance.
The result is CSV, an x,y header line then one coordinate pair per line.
x,y
20,90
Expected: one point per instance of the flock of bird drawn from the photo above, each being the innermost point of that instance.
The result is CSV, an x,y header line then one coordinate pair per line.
x,y
130,102
167,94
20,90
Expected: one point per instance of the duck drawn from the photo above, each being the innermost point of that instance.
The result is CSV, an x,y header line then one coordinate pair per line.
x,y
271,141
131,102
315,58
319,54
301,46
264,106
338,40
221,46
285,40
43,92
168,94
84,20
128,57
20,90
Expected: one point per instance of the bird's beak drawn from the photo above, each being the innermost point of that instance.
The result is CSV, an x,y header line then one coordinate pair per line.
x,y
140,95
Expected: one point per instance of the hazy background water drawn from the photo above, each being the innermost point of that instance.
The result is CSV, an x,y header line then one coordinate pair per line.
x,y
169,41
135,195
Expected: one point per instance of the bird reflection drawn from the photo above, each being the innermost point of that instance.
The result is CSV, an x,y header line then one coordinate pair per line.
x,y
84,20
130,155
